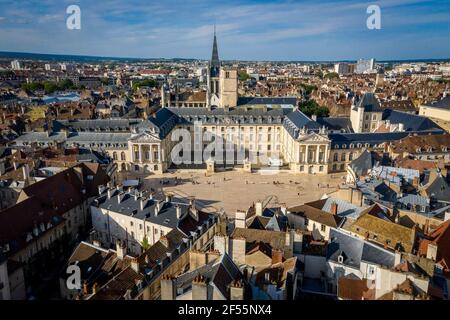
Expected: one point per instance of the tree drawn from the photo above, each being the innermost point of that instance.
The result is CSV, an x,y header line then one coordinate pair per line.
x,y
311,107
144,83
50,87
145,244
243,76
332,75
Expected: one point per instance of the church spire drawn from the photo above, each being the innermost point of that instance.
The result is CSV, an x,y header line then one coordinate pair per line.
x,y
215,62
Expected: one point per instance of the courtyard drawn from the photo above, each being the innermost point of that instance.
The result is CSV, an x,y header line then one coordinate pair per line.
x,y
234,190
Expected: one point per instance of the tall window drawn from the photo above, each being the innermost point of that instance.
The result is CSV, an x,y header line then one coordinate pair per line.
x,y
115,155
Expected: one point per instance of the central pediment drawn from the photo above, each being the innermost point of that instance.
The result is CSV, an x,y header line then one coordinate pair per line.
x,y
313,137
145,137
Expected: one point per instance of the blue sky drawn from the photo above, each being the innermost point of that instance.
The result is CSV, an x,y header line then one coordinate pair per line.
x,y
247,30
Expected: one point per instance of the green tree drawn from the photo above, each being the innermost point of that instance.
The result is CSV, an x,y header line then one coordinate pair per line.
x,y
332,75
144,83
145,244
311,107
243,76
50,87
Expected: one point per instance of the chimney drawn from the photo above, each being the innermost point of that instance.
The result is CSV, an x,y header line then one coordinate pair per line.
x,y
334,208
168,197
150,196
157,207
397,258
109,193
168,288
142,204
120,197
237,290
94,288
192,202
178,208
100,189
135,265
26,172
258,208
164,241
199,288
121,249
314,117
277,256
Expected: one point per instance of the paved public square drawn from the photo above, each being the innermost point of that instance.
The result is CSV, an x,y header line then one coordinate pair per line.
x,y
234,190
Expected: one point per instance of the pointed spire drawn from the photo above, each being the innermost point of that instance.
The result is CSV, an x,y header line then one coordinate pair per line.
x,y
215,62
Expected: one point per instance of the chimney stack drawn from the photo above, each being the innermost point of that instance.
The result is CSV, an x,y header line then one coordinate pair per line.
x,y
168,197
258,208
109,193
168,288
192,202
237,290
120,197
199,288
334,209
157,207
135,265
178,208
142,203
121,249
26,172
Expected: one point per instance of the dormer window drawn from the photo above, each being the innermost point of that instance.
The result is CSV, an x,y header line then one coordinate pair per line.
x,y
341,258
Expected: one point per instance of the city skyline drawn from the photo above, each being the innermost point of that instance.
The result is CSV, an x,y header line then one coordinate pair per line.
x,y
263,30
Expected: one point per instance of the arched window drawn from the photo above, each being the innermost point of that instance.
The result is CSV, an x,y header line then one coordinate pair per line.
x,y
115,155
343,157
350,156
335,157
122,156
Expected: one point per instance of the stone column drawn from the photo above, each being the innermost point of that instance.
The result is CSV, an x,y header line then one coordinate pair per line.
x,y
151,153
141,158
159,153
325,156
307,154
318,153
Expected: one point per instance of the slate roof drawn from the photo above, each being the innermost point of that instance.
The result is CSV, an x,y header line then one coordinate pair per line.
x,y
75,137
414,200
369,102
444,103
356,250
439,189
410,121
221,273
344,208
337,124
239,115
167,215
363,164
288,101
297,120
